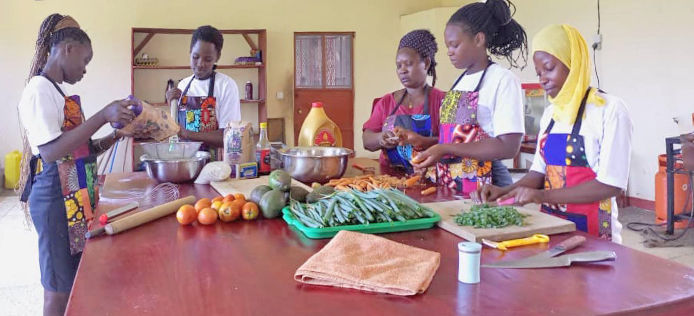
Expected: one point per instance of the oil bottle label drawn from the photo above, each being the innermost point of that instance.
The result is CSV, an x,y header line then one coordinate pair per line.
x,y
263,158
324,138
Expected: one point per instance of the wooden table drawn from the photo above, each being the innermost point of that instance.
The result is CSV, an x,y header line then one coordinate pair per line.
x,y
247,268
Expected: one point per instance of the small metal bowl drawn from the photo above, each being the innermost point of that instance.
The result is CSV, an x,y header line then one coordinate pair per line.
x,y
175,170
315,164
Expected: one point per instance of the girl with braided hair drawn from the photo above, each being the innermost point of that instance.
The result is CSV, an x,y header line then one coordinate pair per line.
x,y
481,118
407,119
61,197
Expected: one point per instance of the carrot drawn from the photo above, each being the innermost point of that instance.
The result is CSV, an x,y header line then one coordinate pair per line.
x,y
428,191
412,181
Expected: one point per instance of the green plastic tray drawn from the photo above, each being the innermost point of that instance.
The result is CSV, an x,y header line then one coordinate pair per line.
x,y
374,228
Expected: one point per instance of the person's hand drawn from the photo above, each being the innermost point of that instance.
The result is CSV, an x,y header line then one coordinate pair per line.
x,y
429,157
173,93
524,195
118,114
487,193
183,133
406,136
388,140
119,133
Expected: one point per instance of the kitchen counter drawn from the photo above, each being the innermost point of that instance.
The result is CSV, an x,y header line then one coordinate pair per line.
x,y
242,268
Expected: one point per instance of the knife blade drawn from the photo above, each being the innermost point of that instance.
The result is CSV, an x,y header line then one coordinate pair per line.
x,y
553,262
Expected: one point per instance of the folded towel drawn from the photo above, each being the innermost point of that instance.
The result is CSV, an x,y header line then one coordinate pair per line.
x,y
370,263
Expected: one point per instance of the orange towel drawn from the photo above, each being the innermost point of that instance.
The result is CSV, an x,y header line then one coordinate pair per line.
x,y
370,263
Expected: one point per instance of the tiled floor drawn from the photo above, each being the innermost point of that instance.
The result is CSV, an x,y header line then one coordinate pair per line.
x,y
21,292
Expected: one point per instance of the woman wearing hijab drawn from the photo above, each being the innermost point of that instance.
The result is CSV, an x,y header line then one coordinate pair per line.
x,y
583,155
407,119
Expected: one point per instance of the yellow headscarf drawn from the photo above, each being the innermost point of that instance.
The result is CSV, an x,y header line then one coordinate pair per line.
x,y
566,44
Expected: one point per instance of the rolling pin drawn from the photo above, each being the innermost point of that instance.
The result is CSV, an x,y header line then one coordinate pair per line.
x,y
147,216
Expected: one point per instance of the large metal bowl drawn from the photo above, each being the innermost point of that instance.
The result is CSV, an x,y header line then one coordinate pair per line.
x,y
173,150
315,164
175,170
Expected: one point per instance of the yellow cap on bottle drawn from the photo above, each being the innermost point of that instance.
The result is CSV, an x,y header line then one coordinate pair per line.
x,y
263,125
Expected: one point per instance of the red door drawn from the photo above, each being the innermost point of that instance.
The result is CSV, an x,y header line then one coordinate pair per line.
x,y
323,71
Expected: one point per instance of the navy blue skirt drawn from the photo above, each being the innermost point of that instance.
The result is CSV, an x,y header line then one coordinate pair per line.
x,y
58,266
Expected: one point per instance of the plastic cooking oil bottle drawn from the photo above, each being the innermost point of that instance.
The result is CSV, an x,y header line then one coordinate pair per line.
x,y
319,130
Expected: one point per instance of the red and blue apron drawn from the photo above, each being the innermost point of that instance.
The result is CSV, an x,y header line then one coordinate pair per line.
x,y
400,156
459,124
198,114
77,173
567,166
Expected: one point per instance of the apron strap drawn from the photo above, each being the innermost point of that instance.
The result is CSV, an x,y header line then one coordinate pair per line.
x,y
43,74
579,117
210,89
479,84
30,180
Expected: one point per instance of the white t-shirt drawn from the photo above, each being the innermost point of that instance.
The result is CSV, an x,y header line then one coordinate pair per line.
x,y
225,91
606,132
500,104
41,111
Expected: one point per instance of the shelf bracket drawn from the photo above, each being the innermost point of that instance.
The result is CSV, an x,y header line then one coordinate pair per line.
x,y
249,40
142,44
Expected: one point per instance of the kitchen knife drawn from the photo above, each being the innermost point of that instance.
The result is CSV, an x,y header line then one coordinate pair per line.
x,y
553,262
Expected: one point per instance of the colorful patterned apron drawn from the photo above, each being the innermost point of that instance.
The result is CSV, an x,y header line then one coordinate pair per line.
x,y
78,176
567,166
198,114
458,124
400,156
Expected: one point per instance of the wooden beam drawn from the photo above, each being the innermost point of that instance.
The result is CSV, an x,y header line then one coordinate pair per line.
x,y
249,40
142,44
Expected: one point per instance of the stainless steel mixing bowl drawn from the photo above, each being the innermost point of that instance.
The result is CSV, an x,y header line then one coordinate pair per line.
x,y
175,170
315,164
168,151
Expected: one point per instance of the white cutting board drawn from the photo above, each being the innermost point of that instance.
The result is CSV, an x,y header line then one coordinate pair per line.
x,y
536,223
245,186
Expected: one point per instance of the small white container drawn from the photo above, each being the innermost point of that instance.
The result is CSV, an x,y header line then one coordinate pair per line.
x,y
469,262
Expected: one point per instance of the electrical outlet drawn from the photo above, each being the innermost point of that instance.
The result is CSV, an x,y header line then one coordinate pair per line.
x,y
597,41
280,95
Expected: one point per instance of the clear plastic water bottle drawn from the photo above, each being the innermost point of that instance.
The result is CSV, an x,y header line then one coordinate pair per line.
x,y
262,153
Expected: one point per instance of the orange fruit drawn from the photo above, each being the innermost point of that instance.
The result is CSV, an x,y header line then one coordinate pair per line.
x,y
228,198
216,205
219,198
227,213
239,196
249,211
207,216
202,203
186,214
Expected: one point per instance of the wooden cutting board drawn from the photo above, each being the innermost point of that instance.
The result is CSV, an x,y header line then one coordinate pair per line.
x,y
536,223
245,186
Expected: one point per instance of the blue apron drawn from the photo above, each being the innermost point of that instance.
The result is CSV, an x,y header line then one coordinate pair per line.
x,y
400,156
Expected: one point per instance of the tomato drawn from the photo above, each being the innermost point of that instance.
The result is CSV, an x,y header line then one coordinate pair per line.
x,y
219,198
227,213
207,216
186,214
249,211
239,196
216,205
228,198
202,203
